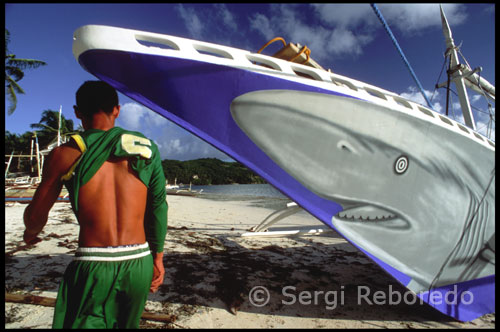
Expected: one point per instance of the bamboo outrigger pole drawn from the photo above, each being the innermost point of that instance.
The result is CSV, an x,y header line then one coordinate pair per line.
x,y
59,129
31,156
457,75
37,157
8,164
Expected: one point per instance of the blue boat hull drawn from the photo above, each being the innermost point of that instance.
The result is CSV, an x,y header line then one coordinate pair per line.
x,y
197,96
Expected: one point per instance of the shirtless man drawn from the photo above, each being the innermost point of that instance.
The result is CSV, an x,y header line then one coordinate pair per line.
x,y
117,191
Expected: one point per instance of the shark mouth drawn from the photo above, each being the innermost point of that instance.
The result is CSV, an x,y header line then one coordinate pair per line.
x,y
368,214
365,213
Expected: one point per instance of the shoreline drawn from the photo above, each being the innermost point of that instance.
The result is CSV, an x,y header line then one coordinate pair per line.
x,y
210,272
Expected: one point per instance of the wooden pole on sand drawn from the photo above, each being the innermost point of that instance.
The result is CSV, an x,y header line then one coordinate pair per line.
x,y
51,302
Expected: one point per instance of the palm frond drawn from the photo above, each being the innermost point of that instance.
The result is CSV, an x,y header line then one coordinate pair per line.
x,y
13,84
26,63
7,41
14,72
11,96
41,126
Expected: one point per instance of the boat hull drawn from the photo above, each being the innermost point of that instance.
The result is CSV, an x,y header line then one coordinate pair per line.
x,y
198,95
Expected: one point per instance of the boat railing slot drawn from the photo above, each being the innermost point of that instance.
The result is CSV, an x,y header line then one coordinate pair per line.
x,y
162,43
402,102
376,93
446,120
303,72
479,136
491,143
340,81
212,51
259,61
425,111
463,128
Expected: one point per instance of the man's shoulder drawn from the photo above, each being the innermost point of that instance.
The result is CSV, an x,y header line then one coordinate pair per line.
x,y
69,146
62,157
65,153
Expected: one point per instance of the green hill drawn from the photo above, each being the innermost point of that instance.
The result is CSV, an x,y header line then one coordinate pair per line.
x,y
208,171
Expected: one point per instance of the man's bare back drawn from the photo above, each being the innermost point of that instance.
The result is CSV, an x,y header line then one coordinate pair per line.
x,y
112,206
112,203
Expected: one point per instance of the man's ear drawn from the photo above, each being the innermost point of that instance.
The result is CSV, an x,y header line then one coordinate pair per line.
x,y
116,111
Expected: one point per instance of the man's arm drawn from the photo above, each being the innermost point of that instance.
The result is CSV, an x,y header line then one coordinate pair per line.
x,y
156,220
37,212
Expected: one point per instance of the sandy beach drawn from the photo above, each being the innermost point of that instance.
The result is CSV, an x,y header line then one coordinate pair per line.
x,y
215,278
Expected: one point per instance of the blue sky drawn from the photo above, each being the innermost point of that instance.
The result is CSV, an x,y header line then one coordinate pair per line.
x,y
348,39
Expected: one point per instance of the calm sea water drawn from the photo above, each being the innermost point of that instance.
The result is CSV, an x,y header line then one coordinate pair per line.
x,y
241,190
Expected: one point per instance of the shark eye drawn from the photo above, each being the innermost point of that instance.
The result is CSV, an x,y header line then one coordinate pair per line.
x,y
401,165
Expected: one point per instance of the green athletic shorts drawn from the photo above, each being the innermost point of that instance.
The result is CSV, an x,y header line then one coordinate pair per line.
x,y
105,288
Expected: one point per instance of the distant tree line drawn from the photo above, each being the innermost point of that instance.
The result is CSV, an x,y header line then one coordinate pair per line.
x,y
208,171
204,171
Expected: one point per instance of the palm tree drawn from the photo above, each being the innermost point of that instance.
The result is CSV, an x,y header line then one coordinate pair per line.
x,y
14,73
48,126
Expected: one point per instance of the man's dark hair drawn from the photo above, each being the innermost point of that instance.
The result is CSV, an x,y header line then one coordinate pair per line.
x,y
95,96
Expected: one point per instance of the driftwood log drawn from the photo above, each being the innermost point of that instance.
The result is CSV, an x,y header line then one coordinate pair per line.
x,y
50,302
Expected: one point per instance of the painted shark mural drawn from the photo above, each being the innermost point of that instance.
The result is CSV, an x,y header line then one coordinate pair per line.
x,y
416,195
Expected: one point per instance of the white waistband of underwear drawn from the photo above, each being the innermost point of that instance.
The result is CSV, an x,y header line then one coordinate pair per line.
x,y
112,249
111,259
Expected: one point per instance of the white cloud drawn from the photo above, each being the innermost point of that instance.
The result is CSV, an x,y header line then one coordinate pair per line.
x,y
130,116
346,42
173,141
348,28
180,145
345,15
261,23
475,98
414,94
217,18
410,18
223,14
136,117
335,29
482,119
191,20
288,21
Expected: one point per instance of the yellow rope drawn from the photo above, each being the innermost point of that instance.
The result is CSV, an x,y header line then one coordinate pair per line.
x,y
270,42
304,50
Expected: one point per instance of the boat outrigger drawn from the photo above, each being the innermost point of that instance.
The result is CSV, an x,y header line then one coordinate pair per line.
x,y
411,188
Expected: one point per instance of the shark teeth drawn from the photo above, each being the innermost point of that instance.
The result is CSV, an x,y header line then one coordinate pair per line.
x,y
365,213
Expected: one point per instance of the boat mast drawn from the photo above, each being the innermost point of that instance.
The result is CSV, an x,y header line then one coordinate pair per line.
x,y
456,73
59,128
